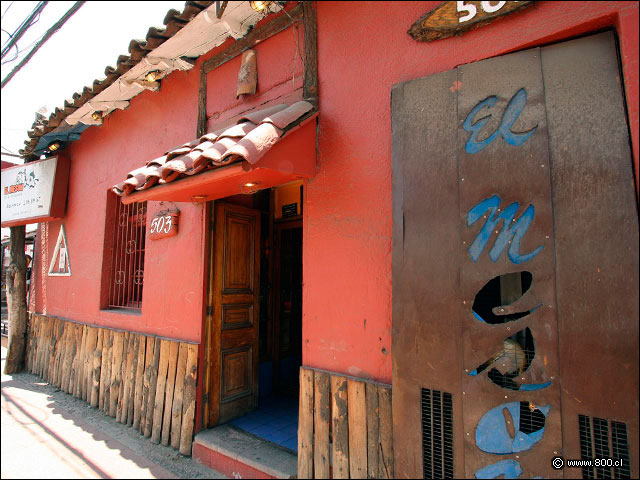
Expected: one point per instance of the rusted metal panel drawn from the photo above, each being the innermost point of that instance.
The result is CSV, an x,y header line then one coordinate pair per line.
x,y
511,176
507,226
596,236
426,308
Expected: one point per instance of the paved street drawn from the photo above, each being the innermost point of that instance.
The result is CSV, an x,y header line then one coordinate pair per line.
x,y
47,433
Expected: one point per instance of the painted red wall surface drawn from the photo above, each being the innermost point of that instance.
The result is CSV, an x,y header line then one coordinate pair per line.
x,y
363,51
172,291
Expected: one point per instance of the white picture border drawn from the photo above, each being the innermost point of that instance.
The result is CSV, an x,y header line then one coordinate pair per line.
x,y
61,235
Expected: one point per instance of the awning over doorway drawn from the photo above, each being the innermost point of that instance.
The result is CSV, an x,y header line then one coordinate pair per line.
x,y
236,159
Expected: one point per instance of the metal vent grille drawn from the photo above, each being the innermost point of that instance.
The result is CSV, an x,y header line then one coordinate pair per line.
x,y
600,438
437,434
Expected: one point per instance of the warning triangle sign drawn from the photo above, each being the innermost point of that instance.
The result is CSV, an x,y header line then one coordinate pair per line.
x,y
60,263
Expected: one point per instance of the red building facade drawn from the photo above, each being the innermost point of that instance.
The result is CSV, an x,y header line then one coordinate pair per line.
x,y
347,220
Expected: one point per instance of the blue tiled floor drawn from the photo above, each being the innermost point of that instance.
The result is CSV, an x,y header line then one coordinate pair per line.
x,y
276,420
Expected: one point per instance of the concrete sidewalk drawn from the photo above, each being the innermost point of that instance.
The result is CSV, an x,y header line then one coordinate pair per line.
x,y
47,433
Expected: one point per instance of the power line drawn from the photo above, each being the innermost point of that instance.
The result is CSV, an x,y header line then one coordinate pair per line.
x,y
24,26
46,37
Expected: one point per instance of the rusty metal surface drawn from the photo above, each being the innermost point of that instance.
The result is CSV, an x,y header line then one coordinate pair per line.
x,y
511,173
514,213
596,236
425,330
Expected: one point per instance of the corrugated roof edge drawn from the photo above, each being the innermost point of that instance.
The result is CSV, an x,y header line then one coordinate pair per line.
x,y
138,49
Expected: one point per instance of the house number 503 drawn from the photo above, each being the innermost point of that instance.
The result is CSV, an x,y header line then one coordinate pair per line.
x,y
471,10
161,224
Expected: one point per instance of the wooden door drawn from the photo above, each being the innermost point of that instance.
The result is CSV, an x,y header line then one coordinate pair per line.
x,y
515,268
233,320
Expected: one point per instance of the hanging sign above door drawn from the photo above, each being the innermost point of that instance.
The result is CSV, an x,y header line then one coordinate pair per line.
x,y
455,18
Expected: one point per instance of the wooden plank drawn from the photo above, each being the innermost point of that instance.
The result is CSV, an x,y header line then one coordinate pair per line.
x,y
55,378
68,356
75,368
55,363
132,360
63,352
31,336
305,424
310,90
168,398
321,419
151,396
77,381
161,383
385,454
116,361
96,368
105,369
92,340
137,397
121,375
357,429
148,361
340,418
176,409
373,429
252,38
189,400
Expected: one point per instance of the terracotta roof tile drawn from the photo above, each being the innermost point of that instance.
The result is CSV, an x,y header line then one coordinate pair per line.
x,y
250,139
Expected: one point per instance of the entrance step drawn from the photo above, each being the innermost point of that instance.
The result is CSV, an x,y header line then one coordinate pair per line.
x,y
238,454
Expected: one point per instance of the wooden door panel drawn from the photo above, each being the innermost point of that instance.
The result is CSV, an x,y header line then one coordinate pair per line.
x,y
236,373
237,315
233,385
239,254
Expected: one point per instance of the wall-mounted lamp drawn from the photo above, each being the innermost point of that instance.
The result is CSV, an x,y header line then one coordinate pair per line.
x,y
54,146
250,187
198,199
96,116
259,5
153,76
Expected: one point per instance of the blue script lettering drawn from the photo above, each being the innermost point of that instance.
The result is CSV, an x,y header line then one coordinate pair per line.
x,y
511,113
511,231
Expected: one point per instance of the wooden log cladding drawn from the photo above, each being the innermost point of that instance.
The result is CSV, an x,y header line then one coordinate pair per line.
x,y
144,382
305,425
176,408
168,398
356,414
153,380
161,384
321,419
189,400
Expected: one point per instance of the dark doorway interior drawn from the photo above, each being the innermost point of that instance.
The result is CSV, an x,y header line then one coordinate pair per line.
x,y
280,337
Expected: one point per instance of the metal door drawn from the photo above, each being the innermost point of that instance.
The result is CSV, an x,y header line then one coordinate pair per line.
x,y
515,305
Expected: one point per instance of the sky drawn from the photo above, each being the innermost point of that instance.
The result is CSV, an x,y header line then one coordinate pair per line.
x,y
71,59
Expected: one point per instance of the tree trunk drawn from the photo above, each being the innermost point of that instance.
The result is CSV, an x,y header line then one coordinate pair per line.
x,y
17,302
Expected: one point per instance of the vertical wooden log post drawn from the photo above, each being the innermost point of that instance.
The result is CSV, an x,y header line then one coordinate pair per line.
x,y
340,418
176,409
321,419
189,400
168,398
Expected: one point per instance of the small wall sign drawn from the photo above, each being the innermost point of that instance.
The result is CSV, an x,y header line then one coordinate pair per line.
x,y
455,18
60,265
164,224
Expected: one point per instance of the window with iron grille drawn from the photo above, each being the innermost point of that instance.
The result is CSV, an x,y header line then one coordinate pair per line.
x,y
123,264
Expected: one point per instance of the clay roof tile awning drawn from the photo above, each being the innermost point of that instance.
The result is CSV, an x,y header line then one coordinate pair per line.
x,y
248,141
